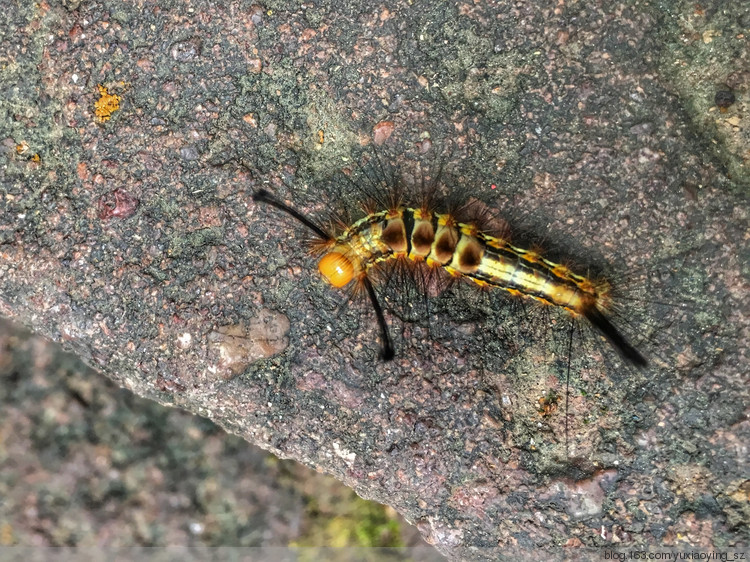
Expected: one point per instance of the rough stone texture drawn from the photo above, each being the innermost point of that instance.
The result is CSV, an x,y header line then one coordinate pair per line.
x,y
84,464
135,243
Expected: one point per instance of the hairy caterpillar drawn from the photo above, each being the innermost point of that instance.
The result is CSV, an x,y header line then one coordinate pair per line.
x,y
403,243
443,241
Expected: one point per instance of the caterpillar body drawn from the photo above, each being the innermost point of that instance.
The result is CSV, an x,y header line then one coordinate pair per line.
x,y
443,242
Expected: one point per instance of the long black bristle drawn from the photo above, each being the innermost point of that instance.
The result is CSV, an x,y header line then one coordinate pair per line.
x,y
265,197
388,353
618,341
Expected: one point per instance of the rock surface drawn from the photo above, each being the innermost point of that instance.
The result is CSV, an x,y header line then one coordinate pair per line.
x,y
131,238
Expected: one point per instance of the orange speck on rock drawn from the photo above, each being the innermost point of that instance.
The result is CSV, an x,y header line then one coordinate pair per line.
x,y
250,119
82,171
106,105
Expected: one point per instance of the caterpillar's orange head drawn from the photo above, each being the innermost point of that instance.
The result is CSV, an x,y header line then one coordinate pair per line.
x,y
337,269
